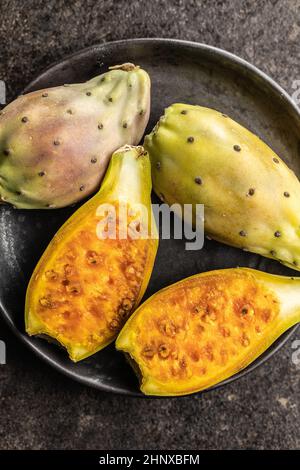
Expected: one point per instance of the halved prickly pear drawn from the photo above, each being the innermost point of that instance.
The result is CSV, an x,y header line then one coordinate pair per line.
x,y
251,197
202,330
55,144
96,269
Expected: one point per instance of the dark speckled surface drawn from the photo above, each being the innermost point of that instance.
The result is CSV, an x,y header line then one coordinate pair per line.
x,y
39,407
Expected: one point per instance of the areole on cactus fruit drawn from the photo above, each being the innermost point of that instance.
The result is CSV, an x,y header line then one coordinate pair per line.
x,y
90,279
203,329
250,196
55,144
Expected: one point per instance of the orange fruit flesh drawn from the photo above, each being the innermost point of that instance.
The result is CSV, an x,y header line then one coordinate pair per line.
x,y
85,287
193,334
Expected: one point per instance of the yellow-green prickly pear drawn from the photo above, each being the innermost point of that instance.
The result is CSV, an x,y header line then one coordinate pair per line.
x,y
251,197
55,144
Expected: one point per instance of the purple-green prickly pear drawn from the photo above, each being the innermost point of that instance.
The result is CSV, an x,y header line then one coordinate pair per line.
x,y
251,197
55,144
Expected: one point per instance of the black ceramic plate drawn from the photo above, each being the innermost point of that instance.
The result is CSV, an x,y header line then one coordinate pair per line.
x,y
180,72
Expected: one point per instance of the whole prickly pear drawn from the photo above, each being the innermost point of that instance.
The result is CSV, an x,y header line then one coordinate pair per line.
x,y
55,144
251,197
97,267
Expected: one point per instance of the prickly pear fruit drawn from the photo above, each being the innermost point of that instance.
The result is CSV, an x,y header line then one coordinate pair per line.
x,y
202,330
251,198
97,267
55,144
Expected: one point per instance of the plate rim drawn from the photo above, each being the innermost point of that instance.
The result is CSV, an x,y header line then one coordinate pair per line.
x,y
283,339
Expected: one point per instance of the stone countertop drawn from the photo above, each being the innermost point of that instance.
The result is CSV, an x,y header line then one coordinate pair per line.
x,y
41,409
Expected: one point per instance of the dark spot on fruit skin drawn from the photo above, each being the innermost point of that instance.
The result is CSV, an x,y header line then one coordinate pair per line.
x,y
237,148
125,125
110,99
277,234
275,160
88,93
251,191
69,111
184,111
44,95
158,165
242,233
224,115
198,180
41,173
295,263
56,142
141,112
6,152
273,252
190,140
81,188
94,160
24,119
100,126
18,193
286,194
